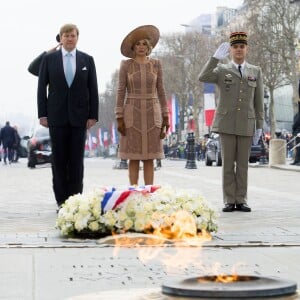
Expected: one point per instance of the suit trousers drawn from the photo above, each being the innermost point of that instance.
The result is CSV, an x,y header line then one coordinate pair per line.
x,y
235,157
68,144
8,153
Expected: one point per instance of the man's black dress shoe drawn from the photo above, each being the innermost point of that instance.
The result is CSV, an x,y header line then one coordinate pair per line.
x,y
228,207
243,207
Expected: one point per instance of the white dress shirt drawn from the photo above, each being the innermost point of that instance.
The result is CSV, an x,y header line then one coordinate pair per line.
x,y
237,66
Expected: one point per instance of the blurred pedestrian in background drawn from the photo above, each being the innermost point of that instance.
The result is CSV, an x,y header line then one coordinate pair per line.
x,y
239,114
141,108
8,140
16,146
296,133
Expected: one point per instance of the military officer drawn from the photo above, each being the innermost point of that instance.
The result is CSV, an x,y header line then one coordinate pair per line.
x,y
239,115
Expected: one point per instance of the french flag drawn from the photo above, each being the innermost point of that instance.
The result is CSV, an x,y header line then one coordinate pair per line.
x,y
94,142
90,141
209,103
173,113
105,139
113,198
100,141
113,134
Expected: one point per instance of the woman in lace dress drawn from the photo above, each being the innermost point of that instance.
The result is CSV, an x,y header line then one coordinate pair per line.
x,y
141,108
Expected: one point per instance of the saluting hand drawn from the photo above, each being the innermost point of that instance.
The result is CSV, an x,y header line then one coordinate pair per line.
x,y
223,51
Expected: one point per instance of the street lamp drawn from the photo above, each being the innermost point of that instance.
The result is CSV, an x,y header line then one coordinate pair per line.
x,y
266,107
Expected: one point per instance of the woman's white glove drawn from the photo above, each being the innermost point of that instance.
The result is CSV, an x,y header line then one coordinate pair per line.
x,y
223,51
256,136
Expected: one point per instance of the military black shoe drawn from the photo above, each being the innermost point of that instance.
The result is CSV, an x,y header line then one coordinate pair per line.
x,y
243,207
228,207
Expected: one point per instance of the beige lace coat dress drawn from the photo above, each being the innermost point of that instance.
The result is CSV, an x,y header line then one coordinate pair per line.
x,y
141,101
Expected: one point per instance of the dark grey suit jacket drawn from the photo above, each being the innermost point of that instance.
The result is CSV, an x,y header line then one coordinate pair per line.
x,y
60,103
34,66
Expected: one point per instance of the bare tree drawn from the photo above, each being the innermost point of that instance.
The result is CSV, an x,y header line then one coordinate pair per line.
x,y
183,56
107,103
272,25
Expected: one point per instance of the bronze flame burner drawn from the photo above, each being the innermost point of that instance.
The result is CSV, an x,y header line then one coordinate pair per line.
x,y
241,287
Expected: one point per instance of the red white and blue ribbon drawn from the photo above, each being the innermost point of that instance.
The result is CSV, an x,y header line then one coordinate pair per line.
x,y
113,198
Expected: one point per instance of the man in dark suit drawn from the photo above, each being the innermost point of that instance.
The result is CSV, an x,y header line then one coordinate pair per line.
x,y
67,104
239,114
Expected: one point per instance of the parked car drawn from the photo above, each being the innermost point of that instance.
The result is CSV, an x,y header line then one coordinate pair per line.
x,y
259,152
23,152
213,150
39,148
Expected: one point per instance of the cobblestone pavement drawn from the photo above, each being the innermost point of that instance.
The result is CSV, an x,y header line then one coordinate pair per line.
x,y
37,263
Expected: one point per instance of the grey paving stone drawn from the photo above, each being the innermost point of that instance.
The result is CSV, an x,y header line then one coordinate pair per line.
x,y
36,262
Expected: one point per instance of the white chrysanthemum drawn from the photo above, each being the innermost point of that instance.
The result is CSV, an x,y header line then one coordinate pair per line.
x,y
66,229
139,225
122,216
128,224
81,221
96,212
94,226
110,219
84,207
68,217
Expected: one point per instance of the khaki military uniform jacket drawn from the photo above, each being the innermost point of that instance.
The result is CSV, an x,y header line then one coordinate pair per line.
x,y
240,108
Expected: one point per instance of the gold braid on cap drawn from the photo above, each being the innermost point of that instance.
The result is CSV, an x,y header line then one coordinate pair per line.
x,y
238,37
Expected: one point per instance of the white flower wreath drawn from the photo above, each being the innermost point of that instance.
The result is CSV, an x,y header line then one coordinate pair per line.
x,y
142,212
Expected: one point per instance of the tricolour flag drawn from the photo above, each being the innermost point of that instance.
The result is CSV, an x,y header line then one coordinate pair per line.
x,y
209,88
113,134
209,108
105,139
113,198
90,141
173,113
191,125
100,137
94,142
86,146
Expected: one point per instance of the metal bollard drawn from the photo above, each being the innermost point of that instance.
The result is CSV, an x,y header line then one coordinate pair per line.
x,y
191,154
123,164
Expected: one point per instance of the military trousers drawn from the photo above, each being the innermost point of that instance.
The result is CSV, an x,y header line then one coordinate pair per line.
x,y
235,157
